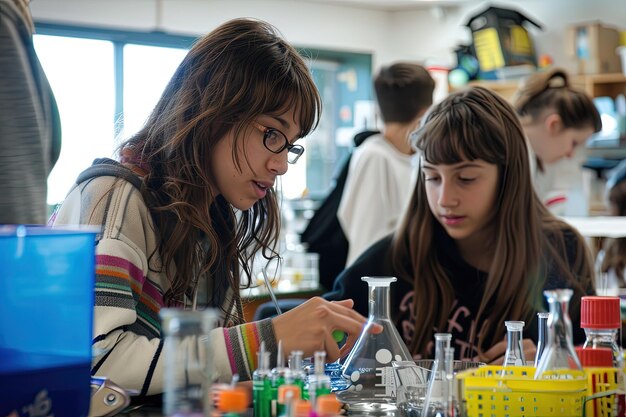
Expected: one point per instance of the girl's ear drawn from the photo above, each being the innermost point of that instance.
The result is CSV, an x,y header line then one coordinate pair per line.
x,y
553,123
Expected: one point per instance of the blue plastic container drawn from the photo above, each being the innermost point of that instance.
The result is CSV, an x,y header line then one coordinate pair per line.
x,y
46,313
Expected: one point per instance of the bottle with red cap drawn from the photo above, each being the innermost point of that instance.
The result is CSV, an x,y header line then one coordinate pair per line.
x,y
601,318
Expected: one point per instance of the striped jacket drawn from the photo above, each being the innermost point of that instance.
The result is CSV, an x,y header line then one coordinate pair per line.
x,y
129,290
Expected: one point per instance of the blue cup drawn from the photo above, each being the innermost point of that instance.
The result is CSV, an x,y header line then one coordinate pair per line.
x,y
46,314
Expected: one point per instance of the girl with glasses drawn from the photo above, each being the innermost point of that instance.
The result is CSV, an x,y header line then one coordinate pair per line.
x,y
191,200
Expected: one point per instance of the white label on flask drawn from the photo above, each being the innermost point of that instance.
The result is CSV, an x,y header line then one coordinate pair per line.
x,y
387,380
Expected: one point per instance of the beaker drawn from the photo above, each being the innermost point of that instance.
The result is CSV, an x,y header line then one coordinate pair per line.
x,y
514,355
559,353
411,386
368,367
412,383
187,367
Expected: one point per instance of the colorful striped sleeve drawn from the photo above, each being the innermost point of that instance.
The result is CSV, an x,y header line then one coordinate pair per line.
x,y
244,341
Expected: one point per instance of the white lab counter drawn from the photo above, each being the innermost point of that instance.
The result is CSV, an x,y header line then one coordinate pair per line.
x,y
599,226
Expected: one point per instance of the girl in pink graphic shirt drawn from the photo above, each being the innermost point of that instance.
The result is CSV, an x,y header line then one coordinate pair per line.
x,y
475,246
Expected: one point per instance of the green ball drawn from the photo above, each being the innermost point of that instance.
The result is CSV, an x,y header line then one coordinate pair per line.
x,y
338,335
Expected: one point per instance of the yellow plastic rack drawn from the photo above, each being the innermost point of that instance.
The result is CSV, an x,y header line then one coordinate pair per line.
x,y
496,391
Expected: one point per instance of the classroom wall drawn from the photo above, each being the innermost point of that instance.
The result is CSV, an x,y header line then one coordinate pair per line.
x,y
303,24
422,35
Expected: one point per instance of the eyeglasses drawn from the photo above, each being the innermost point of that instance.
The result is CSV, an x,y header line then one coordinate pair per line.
x,y
275,141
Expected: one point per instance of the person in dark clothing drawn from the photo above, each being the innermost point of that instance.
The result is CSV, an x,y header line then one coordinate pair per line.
x,y
30,125
476,246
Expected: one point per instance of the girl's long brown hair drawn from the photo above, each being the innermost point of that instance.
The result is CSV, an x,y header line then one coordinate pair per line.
x,y
239,71
469,125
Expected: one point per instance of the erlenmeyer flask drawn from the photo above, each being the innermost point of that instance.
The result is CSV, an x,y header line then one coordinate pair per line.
x,y
446,405
436,394
559,352
514,355
368,368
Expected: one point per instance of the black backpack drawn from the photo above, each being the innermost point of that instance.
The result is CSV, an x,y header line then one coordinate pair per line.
x,y
323,234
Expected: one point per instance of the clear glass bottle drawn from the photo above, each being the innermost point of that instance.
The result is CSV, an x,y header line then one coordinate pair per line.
x,y
542,337
187,368
514,355
601,319
297,371
436,395
559,353
368,368
319,382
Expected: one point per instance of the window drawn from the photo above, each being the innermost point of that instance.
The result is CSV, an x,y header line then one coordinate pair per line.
x,y
147,70
107,82
79,71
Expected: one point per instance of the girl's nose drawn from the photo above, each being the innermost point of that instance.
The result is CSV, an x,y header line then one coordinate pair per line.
x,y
277,163
447,196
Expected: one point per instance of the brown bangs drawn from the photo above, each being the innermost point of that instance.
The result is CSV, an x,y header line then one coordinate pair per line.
x,y
300,94
458,134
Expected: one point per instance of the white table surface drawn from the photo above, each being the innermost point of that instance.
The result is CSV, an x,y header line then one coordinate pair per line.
x,y
599,226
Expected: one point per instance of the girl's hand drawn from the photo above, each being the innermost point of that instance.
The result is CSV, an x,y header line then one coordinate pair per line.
x,y
495,355
309,327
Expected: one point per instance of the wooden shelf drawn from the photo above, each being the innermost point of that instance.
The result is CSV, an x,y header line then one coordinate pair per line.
x,y
598,85
505,88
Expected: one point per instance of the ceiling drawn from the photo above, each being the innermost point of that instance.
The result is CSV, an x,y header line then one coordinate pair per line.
x,y
394,5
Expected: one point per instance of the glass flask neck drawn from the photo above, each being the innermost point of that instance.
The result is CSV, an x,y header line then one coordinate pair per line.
x,y
378,302
559,324
514,355
542,337
442,342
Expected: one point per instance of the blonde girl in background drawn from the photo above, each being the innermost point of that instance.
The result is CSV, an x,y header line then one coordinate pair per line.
x,y
557,119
